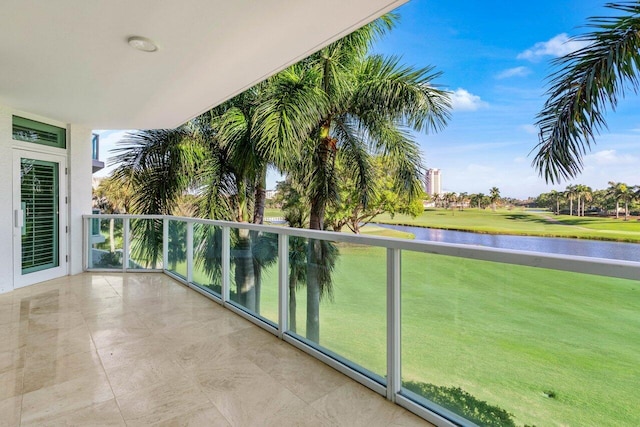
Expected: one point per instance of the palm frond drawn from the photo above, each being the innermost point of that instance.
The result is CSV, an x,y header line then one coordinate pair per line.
x,y
401,93
588,82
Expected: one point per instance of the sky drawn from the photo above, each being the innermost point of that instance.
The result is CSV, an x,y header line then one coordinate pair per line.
x,y
495,56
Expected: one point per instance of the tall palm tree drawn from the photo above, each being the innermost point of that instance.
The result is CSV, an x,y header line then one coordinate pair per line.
x,y
571,193
620,191
588,81
494,196
343,103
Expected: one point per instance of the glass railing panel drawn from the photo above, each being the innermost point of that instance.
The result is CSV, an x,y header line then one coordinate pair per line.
x,y
254,272
177,248
207,258
105,243
145,244
508,345
338,301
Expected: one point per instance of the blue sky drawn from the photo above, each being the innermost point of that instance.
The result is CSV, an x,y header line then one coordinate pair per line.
x,y
495,56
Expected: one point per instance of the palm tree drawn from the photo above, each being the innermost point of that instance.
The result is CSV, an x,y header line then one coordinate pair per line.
x,y
343,103
620,191
494,195
113,196
589,80
570,192
215,156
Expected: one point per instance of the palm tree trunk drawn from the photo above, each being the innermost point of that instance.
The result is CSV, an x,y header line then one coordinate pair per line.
x,y
571,206
557,206
626,210
617,209
260,197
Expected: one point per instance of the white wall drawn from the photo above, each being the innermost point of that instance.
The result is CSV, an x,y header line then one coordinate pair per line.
x,y
6,201
80,171
78,154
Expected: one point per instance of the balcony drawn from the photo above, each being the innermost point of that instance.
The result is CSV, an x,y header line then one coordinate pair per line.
x,y
140,349
527,338
96,164
451,333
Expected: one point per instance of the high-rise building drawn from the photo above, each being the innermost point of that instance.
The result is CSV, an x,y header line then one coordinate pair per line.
x,y
433,182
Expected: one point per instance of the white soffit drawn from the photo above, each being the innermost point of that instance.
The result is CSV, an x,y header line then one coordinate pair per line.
x,y
69,60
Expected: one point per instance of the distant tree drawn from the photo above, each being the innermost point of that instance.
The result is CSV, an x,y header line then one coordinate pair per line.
x,y
350,211
494,196
621,192
570,192
113,196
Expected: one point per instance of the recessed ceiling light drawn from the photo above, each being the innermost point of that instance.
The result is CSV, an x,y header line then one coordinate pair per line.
x,y
142,43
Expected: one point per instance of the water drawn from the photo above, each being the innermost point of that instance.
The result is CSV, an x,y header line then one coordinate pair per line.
x,y
553,245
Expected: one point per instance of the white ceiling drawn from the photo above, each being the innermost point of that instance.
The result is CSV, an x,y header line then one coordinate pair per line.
x,y
69,60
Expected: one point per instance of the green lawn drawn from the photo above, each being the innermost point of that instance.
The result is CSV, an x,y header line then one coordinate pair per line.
x,y
505,334
523,222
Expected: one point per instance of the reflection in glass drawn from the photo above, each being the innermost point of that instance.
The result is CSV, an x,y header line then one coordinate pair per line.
x,y
105,243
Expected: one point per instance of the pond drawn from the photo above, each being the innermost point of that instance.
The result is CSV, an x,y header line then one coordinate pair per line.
x,y
553,245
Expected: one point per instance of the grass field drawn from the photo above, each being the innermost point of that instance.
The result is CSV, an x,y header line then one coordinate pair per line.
x,y
524,222
519,222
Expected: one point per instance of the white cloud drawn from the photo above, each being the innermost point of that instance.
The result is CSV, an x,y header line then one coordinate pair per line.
x,y
559,45
514,72
609,157
463,100
519,160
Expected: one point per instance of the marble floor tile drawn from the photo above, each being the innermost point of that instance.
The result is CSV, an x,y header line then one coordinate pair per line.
x,y
129,352
10,410
141,349
47,369
12,359
355,405
162,402
75,394
11,383
139,374
308,378
209,417
104,414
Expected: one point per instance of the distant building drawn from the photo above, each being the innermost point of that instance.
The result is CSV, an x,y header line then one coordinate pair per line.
x,y
433,182
270,194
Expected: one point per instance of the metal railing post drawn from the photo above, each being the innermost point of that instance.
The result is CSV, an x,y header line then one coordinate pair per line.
x,y
394,380
189,252
226,264
165,242
125,244
283,282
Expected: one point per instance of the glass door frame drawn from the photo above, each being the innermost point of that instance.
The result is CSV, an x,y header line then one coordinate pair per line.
x,y
21,279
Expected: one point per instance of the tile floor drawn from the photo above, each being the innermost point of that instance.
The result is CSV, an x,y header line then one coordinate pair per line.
x,y
142,349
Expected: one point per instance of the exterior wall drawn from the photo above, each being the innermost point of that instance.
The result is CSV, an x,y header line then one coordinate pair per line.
x,y
78,186
80,173
6,208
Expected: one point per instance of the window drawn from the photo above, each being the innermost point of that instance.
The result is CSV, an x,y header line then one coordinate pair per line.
x,y
39,133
